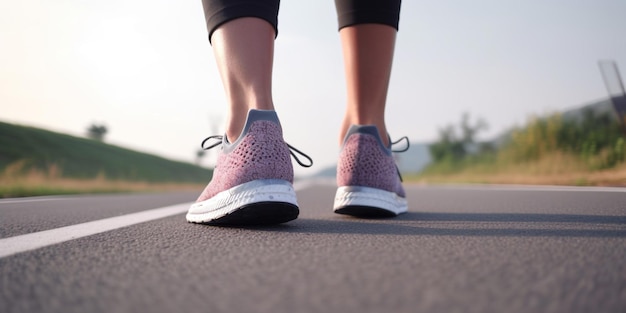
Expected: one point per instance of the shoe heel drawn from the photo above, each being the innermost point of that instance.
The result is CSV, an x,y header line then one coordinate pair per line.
x,y
271,201
368,202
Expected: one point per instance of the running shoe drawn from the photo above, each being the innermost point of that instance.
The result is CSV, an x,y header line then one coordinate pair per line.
x,y
368,180
252,182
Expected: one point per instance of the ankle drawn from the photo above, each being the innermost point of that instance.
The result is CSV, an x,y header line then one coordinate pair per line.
x,y
238,114
379,123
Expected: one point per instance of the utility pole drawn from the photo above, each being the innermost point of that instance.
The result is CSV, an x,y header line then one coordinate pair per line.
x,y
615,87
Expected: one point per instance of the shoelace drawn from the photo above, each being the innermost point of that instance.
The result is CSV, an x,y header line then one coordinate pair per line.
x,y
220,139
406,139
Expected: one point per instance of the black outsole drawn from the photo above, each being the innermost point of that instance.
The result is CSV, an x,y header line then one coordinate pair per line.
x,y
365,211
258,214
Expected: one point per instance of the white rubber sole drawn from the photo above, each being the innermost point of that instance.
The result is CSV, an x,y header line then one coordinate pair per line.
x,y
266,201
367,201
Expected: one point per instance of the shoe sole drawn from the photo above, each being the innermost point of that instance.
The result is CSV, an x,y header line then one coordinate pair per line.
x,y
259,202
368,202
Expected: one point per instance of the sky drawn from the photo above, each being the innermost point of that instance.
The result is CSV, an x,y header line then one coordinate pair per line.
x,y
145,68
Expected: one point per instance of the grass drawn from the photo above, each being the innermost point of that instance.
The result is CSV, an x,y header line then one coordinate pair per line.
x,y
34,185
25,148
36,162
551,150
38,184
553,169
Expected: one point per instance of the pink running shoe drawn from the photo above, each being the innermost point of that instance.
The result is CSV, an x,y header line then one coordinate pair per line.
x,y
368,179
252,181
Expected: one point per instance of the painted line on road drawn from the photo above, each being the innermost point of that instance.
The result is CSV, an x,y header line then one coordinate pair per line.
x,y
22,243
488,187
27,242
479,187
34,199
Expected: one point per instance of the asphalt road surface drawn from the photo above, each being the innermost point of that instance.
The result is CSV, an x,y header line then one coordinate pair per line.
x,y
459,249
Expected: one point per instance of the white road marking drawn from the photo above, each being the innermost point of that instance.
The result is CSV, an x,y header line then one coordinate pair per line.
x,y
27,242
33,199
306,183
489,187
22,243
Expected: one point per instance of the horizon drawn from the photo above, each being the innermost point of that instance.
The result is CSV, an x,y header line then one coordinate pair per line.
x,y
149,75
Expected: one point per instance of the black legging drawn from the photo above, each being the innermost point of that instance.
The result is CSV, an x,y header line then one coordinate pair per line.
x,y
349,12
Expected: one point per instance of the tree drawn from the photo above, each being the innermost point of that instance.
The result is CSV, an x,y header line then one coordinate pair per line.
x,y
453,147
97,131
469,131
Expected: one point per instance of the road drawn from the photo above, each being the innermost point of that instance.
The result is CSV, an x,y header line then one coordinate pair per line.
x,y
459,249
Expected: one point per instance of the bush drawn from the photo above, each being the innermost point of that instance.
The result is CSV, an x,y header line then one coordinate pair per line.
x,y
595,138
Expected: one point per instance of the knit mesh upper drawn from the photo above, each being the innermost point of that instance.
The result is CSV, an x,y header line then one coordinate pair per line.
x,y
260,154
363,162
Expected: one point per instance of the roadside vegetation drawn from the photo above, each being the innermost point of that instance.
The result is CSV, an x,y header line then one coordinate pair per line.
x,y
42,184
590,150
39,162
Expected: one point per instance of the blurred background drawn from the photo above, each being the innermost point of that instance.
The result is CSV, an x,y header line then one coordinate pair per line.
x,y
486,91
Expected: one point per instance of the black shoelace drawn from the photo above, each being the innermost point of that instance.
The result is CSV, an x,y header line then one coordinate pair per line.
x,y
292,150
405,138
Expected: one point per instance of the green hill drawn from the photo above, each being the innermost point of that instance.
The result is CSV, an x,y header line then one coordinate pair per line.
x,y
25,149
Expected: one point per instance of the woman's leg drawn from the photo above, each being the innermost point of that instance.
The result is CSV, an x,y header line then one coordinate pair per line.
x,y
242,34
368,55
244,52
367,177
252,181
368,32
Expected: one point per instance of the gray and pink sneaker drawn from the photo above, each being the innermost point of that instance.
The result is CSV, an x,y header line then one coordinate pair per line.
x,y
252,181
368,178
